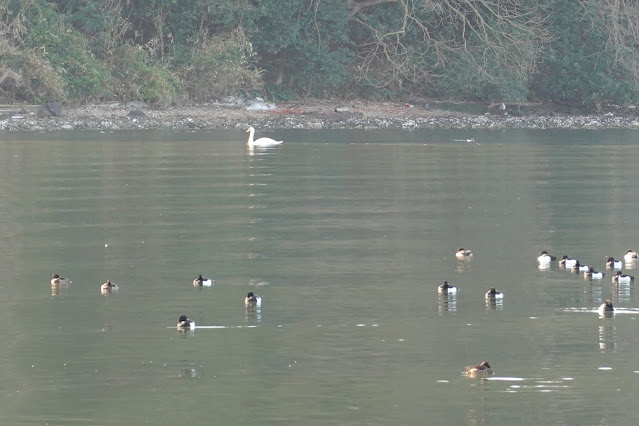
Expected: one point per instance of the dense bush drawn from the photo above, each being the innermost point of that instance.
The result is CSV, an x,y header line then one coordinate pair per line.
x,y
167,51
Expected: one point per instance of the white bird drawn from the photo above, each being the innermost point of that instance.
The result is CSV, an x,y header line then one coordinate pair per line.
x,y
261,142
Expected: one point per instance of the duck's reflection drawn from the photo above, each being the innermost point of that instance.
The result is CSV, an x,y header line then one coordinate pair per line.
x,y
447,302
494,304
622,294
190,373
544,266
253,314
463,265
607,337
593,295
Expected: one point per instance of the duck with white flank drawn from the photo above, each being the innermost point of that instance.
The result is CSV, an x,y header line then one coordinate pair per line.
x,y
630,256
567,262
252,299
463,253
201,281
108,285
184,322
621,278
595,275
56,279
578,267
492,293
446,288
544,258
613,264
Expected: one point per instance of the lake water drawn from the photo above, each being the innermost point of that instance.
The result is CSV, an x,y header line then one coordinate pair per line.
x,y
345,235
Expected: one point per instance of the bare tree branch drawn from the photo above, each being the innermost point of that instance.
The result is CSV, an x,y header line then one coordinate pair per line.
x,y
487,37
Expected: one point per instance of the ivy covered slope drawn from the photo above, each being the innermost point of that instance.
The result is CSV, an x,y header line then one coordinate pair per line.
x,y
575,52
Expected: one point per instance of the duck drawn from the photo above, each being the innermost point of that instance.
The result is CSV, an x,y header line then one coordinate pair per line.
x,y
621,278
252,299
595,275
492,293
567,262
545,258
184,322
446,288
202,281
613,264
57,280
261,142
606,308
578,267
630,256
108,286
462,253
481,370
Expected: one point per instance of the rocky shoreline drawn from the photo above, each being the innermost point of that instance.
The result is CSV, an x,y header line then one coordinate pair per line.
x,y
313,114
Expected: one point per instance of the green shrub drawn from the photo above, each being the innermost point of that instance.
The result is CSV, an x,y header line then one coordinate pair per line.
x,y
219,66
137,75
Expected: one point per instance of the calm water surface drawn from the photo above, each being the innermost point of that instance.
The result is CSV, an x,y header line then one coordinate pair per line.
x,y
345,235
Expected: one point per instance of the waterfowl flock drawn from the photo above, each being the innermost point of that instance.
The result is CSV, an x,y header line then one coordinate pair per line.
x,y
184,322
545,260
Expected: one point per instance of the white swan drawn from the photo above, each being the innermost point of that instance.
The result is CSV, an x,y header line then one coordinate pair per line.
x,y
261,142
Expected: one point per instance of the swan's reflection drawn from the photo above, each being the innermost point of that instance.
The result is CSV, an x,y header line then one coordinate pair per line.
x,y
630,264
544,266
447,302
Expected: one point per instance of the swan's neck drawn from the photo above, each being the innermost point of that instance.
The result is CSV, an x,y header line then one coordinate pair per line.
x,y
250,139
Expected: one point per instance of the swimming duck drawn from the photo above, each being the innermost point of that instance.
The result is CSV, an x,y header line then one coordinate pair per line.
x,y
595,275
578,267
545,258
108,286
200,281
252,299
481,370
57,279
494,293
261,142
184,322
613,264
606,308
621,278
630,255
462,253
447,288
567,262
